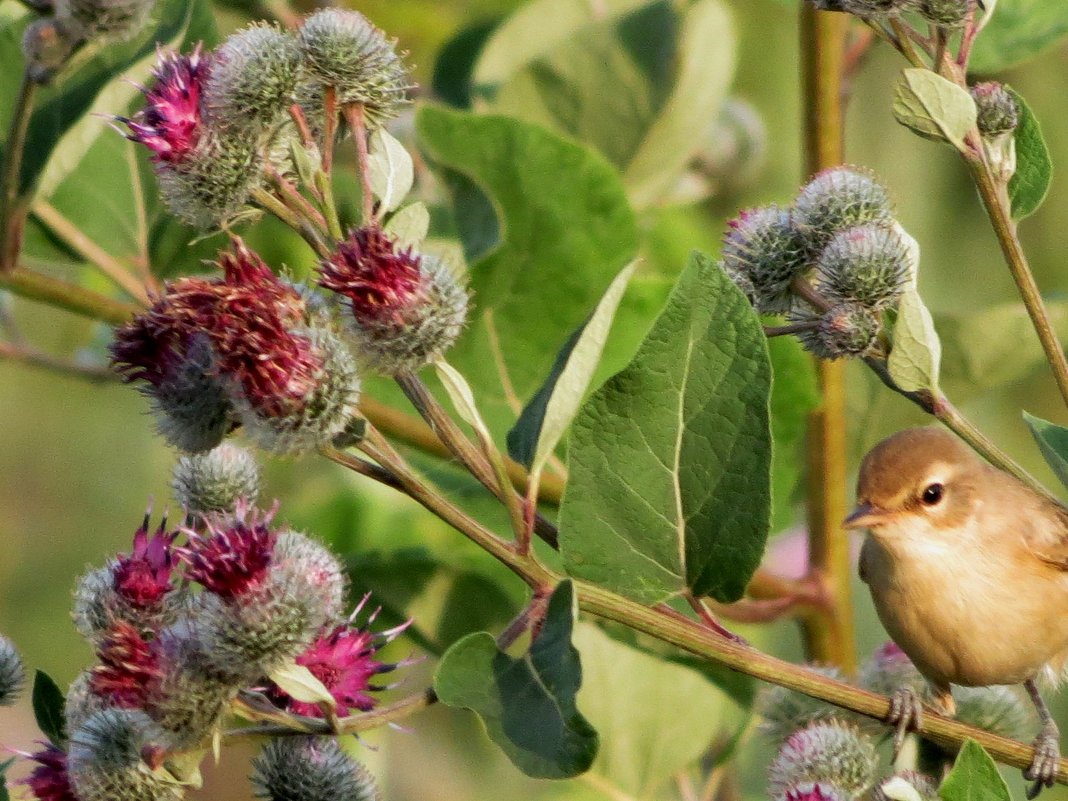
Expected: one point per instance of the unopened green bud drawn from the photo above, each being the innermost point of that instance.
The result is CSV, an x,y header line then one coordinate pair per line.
x,y
252,78
216,480
764,245
837,199
310,769
868,9
82,703
997,110
907,785
946,13
889,669
343,50
831,752
784,711
12,673
106,759
119,19
847,329
867,265
192,407
212,183
998,709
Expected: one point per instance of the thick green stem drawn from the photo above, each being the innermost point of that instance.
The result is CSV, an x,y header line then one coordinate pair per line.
x,y
303,226
85,302
996,201
828,637
13,208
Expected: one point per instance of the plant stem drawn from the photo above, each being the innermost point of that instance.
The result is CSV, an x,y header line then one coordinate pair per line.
x,y
416,433
996,201
828,637
12,208
37,358
463,449
350,725
355,115
76,239
269,203
71,297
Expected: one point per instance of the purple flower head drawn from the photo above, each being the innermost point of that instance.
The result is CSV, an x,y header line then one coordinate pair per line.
x,y
233,558
381,281
49,780
143,577
170,124
129,668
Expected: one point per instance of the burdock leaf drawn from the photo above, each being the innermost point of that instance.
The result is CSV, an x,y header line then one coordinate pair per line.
x,y
527,703
916,357
48,704
1034,166
934,107
974,777
669,461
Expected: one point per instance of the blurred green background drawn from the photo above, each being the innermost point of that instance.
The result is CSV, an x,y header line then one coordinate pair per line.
x,y
79,461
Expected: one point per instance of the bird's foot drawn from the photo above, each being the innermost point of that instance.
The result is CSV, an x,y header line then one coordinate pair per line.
x,y
906,714
1043,768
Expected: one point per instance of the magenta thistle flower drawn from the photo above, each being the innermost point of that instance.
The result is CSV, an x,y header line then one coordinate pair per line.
x,y
143,577
246,318
343,659
129,668
49,781
170,124
234,557
380,280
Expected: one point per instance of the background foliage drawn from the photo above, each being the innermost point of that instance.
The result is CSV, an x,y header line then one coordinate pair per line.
x,y
78,461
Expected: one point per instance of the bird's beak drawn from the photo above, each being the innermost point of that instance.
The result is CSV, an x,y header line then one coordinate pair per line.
x,y
866,516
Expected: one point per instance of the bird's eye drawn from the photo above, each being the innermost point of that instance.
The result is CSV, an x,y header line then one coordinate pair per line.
x,y
932,494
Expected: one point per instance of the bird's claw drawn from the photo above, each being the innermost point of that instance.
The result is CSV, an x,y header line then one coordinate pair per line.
x,y
906,714
1043,768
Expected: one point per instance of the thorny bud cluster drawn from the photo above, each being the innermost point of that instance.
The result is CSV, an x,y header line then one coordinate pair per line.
x,y
949,14
840,236
217,123
182,624
828,754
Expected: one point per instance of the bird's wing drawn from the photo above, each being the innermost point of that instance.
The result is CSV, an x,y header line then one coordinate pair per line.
x,y
1046,534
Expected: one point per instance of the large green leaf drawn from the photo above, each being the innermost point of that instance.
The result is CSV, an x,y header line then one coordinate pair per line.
x,y
1018,31
1034,166
1052,440
566,229
527,703
974,777
675,714
670,460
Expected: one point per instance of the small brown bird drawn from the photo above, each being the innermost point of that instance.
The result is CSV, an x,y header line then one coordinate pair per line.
x,y
968,568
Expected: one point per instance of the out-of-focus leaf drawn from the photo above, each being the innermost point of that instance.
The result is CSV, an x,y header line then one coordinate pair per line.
x,y
48,704
669,461
672,715
934,107
1052,440
1034,166
567,229
974,777
4,794
528,703
632,82
545,419
1018,31
455,64
409,226
793,395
